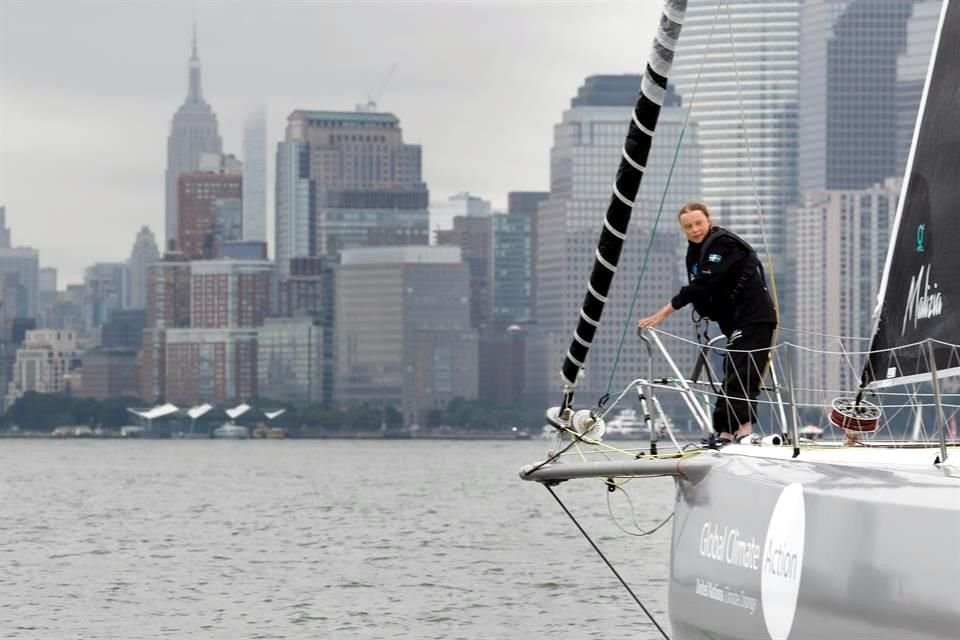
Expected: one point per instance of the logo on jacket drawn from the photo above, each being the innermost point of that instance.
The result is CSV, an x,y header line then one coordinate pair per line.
x,y
714,257
923,300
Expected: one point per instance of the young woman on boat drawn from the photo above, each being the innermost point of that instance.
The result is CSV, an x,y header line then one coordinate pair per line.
x,y
727,286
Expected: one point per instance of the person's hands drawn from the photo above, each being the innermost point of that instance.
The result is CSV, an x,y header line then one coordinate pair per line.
x,y
652,321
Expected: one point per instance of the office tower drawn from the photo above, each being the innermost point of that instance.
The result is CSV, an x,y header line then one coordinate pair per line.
x,y
42,363
403,329
513,259
290,360
193,131
346,179
307,292
745,105
912,64
46,296
143,254
241,249
520,205
583,161
255,176
474,236
840,239
461,205
47,279
105,287
295,204
228,294
215,359
208,206
19,272
124,329
511,267
848,74
168,307
4,229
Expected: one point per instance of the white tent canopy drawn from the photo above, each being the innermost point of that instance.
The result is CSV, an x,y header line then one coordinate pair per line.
x,y
199,410
238,411
158,411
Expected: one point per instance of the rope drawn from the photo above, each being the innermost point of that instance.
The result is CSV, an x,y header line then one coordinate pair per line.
x,y
753,176
663,198
633,514
604,558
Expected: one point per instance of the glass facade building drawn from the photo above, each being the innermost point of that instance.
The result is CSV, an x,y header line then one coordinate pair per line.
x,y
296,219
402,321
255,176
840,239
347,180
290,360
511,267
583,162
737,64
848,72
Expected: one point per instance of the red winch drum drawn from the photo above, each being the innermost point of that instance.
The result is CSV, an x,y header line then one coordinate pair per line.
x,y
850,415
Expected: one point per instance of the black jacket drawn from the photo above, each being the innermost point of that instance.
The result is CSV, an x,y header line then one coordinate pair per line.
x,y
726,282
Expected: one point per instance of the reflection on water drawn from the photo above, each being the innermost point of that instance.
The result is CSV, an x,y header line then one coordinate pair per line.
x,y
314,539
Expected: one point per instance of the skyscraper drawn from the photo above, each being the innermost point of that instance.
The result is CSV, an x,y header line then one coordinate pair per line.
x,y
911,72
105,289
738,71
255,176
463,205
848,72
193,131
4,229
143,254
474,236
403,329
346,179
202,198
839,239
511,267
583,161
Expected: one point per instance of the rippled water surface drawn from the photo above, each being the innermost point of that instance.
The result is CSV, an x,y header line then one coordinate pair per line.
x,y
316,539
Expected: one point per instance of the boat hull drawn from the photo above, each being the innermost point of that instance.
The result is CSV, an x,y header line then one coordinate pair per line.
x,y
774,549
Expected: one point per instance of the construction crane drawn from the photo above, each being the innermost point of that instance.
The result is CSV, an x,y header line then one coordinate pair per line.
x,y
371,104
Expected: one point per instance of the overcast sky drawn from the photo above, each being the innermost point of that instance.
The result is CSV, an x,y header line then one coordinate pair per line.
x,y
87,91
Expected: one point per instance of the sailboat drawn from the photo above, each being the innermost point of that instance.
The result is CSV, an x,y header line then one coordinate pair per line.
x,y
787,537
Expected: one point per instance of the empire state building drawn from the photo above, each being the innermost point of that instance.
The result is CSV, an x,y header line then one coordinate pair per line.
x,y
192,132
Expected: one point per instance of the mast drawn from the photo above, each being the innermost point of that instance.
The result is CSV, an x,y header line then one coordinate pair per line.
x,y
636,149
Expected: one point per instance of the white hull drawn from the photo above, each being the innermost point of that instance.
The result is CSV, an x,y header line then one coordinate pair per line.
x,y
822,546
231,432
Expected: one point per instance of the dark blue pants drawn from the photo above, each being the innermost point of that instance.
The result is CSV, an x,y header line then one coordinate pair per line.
x,y
744,365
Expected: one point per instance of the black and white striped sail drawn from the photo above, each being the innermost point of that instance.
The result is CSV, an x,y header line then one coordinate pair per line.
x,y
635,152
919,304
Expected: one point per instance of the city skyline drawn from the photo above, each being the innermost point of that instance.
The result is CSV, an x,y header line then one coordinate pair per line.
x,y
122,71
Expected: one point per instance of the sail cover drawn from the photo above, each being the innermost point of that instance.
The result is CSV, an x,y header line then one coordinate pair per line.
x,y
919,303
636,149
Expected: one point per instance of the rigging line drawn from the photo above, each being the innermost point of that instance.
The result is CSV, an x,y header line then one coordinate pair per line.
x,y
753,175
666,189
643,267
756,193
633,514
604,558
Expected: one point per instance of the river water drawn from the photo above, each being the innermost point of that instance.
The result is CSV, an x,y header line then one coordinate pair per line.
x,y
316,539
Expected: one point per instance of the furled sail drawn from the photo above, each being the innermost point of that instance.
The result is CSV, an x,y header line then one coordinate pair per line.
x,y
919,304
635,151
